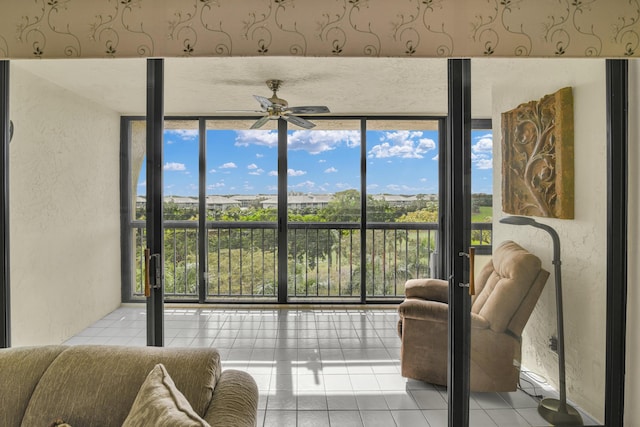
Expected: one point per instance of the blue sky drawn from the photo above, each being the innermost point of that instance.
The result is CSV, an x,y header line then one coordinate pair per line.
x,y
320,161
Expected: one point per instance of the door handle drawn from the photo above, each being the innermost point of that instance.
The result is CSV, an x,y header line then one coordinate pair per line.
x,y
147,279
147,272
472,282
472,279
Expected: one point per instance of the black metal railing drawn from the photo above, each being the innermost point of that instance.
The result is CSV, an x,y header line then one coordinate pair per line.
x,y
324,259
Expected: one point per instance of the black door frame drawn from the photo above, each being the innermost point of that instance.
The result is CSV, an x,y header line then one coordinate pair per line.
x,y
457,225
283,223
617,83
5,285
155,226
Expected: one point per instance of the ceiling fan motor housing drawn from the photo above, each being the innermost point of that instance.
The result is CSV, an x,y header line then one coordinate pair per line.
x,y
274,85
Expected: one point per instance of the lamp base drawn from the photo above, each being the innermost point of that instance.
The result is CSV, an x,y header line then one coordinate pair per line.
x,y
549,409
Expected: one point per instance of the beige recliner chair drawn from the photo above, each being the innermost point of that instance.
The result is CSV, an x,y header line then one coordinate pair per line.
x,y
507,289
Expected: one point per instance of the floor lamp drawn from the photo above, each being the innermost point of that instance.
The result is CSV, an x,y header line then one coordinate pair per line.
x,y
556,411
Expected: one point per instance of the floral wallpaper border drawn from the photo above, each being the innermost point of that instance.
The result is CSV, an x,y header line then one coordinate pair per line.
x,y
353,28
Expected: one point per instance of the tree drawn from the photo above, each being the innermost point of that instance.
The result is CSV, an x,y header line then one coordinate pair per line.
x,y
345,207
380,210
423,215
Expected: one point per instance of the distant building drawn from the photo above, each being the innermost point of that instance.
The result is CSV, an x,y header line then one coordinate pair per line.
x,y
303,201
306,201
222,203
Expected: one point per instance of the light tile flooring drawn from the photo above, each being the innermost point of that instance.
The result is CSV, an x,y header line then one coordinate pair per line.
x,y
328,366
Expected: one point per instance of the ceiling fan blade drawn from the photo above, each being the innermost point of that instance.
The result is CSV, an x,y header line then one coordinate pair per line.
x,y
260,122
298,121
264,102
318,109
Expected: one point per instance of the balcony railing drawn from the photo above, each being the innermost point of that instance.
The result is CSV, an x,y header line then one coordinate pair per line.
x,y
324,259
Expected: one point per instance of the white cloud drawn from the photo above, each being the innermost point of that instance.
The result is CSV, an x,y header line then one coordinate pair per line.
x,y
343,186
273,173
484,163
309,185
212,171
423,179
482,152
322,161
142,184
484,144
319,141
229,165
215,185
173,166
257,172
258,155
265,138
314,142
252,166
403,187
372,186
436,157
293,172
331,170
404,144
184,134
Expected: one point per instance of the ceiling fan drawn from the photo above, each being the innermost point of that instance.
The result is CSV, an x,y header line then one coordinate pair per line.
x,y
275,108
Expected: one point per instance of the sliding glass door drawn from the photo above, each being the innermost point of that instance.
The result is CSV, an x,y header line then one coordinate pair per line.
x,y
537,341
324,212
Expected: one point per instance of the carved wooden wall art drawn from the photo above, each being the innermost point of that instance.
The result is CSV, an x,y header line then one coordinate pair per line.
x,y
537,157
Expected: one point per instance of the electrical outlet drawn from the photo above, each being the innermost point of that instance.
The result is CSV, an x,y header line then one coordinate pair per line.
x,y
553,343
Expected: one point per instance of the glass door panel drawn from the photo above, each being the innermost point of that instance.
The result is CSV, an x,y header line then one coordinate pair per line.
x,y
181,209
241,210
64,176
323,199
481,190
180,206
137,130
402,204
538,321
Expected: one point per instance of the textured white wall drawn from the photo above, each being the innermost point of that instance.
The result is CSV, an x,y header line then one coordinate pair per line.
x,y
65,230
583,239
632,383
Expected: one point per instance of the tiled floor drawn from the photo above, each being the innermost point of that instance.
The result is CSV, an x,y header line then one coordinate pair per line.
x,y
316,367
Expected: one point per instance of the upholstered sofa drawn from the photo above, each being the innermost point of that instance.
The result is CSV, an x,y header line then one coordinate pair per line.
x,y
100,386
507,289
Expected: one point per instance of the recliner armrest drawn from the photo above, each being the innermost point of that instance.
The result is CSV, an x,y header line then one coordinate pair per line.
x,y
418,309
434,311
427,289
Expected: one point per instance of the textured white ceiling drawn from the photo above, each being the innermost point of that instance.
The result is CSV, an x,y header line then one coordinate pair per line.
x,y
211,85
208,86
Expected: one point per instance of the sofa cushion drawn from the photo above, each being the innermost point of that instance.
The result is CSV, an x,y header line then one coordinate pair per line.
x,y
20,371
159,403
97,385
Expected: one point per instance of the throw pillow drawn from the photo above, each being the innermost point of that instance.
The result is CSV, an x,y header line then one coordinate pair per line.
x,y
160,403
